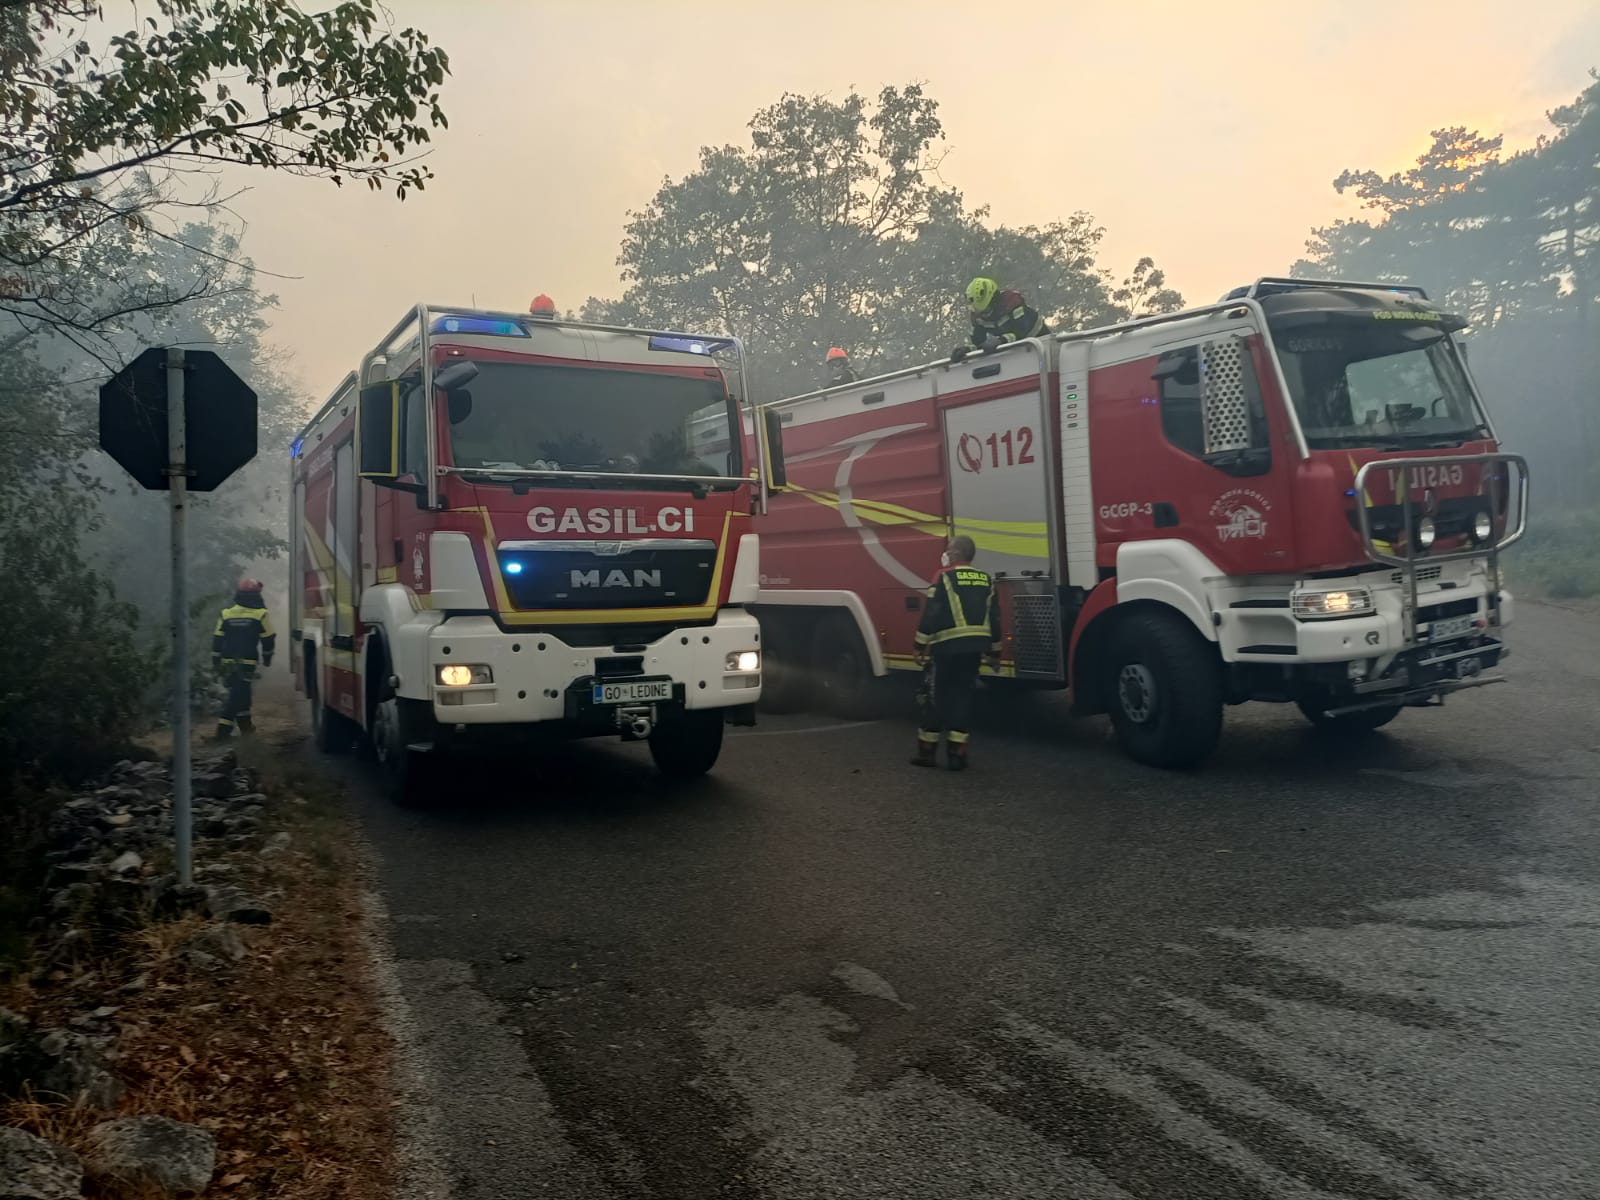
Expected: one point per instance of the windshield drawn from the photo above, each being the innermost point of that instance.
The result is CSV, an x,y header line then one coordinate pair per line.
x,y
1355,385
522,416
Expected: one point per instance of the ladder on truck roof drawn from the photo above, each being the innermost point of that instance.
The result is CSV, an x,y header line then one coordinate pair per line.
x,y
1281,283
1260,287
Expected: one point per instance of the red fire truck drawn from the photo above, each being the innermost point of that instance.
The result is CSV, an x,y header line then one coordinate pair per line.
x,y
504,523
1292,495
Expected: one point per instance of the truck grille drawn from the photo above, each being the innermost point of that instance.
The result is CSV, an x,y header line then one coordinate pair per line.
x,y
1036,636
647,573
1424,574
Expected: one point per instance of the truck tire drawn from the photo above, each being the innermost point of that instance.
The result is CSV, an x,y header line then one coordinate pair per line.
x,y
841,670
396,723
331,732
1164,690
1355,723
687,745
785,677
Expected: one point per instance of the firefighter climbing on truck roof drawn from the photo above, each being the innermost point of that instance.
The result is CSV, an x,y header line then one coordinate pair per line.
x,y
959,631
243,638
998,317
837,369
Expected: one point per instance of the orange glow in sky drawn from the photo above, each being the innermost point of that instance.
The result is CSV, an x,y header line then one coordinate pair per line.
x,y
1205,135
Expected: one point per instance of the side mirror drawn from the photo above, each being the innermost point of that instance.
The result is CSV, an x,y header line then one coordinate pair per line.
x,y
772,449
456,375
378,432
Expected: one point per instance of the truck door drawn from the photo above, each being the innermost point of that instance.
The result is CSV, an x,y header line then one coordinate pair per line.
x,y
997,455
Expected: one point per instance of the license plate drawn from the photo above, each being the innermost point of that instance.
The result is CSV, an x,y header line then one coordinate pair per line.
x,y
1450,627
633,691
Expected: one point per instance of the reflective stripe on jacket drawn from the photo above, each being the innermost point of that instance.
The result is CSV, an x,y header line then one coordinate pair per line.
x,y
960,612
1014,320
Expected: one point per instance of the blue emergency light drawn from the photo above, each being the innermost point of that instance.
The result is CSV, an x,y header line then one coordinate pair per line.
x,y
479,325
513,567
296,446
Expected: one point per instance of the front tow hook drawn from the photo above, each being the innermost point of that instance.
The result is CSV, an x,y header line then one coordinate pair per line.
x,y
636,723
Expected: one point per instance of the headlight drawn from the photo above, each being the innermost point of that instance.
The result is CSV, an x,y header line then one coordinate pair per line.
x,y
743,660
462,675
1482,526
1318,606
1425,532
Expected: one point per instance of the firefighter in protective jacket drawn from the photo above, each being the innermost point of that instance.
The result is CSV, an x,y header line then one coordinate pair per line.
x,y
999,317
837,369
243,638
960,629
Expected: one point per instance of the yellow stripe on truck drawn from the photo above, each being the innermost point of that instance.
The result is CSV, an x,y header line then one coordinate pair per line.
x,y
1030,539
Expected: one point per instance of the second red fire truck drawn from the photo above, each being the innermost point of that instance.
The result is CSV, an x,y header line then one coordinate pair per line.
x,y
1294,495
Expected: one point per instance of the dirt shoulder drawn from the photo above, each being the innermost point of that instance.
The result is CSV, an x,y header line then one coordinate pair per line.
x,y
245,1008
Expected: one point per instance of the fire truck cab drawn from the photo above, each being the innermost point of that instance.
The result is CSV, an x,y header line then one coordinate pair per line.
x,y
1294,495
507,524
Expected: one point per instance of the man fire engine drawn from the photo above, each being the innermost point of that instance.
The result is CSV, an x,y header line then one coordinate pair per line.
x,y
1293,495
509,523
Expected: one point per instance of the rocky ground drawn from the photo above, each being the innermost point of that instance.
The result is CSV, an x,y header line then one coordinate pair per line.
x,y
216,1038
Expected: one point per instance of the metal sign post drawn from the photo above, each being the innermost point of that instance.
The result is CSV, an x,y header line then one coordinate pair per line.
x,y
177,474
184,422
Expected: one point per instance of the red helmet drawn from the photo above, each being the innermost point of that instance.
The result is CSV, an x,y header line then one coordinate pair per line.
x,y
836,353
249,585
542,306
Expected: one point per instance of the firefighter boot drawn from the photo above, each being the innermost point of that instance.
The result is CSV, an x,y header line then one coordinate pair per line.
x,y
246,725
927,749
224,731
956,752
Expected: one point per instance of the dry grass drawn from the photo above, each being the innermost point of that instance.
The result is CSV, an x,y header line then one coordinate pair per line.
x,y
281,1056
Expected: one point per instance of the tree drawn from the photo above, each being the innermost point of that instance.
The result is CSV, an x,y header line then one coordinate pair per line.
x,y
127,132
833,228
1511,244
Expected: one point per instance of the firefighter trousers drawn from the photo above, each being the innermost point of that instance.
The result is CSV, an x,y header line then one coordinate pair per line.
x,y
953,681
236,708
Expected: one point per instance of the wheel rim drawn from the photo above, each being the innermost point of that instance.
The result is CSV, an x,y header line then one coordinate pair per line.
x,y
1136,692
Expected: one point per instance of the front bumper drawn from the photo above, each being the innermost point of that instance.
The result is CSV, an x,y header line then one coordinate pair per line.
x,y
1424,674
1256,623
537,677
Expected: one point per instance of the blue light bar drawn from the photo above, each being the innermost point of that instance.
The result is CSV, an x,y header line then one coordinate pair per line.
x,y
687,345
480,325
296,446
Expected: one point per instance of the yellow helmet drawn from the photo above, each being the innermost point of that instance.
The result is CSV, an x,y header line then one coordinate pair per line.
x,y
981,293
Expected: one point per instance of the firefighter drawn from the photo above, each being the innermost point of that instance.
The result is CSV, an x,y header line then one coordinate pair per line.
x,y
959,631
243,628
837,366
998,317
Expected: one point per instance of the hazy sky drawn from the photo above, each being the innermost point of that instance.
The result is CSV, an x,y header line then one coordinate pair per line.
x,y
1205,135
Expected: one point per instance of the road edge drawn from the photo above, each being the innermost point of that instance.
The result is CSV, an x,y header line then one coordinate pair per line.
x,y
420,1162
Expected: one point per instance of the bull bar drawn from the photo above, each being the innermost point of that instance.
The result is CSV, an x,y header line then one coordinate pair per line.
x,y
1407,688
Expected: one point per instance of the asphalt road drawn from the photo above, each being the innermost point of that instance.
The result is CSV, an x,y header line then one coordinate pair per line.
x,y
1310,970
